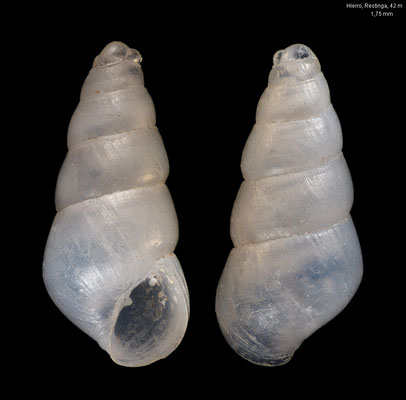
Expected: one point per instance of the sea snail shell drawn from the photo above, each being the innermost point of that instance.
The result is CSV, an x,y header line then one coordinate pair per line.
x,y
109,264
297,260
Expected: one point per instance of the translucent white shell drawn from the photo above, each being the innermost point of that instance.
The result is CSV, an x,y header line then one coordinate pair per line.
x,y
109,264
297,260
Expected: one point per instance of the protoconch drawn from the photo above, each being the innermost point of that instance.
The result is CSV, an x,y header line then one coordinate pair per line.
x,y
109,263
297,260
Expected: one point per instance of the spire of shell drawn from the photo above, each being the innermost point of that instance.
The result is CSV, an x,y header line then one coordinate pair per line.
x,y
115,52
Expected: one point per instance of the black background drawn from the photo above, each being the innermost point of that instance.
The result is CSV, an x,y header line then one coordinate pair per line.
x,y
205,68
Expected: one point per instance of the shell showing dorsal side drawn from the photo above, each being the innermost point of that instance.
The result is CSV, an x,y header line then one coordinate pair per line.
x,y
109,264
297,260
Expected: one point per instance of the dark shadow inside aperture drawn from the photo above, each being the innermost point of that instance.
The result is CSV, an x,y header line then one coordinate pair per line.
x,y
144,322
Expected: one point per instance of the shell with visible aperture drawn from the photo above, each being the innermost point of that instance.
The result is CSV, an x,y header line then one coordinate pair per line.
x,y
109,264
